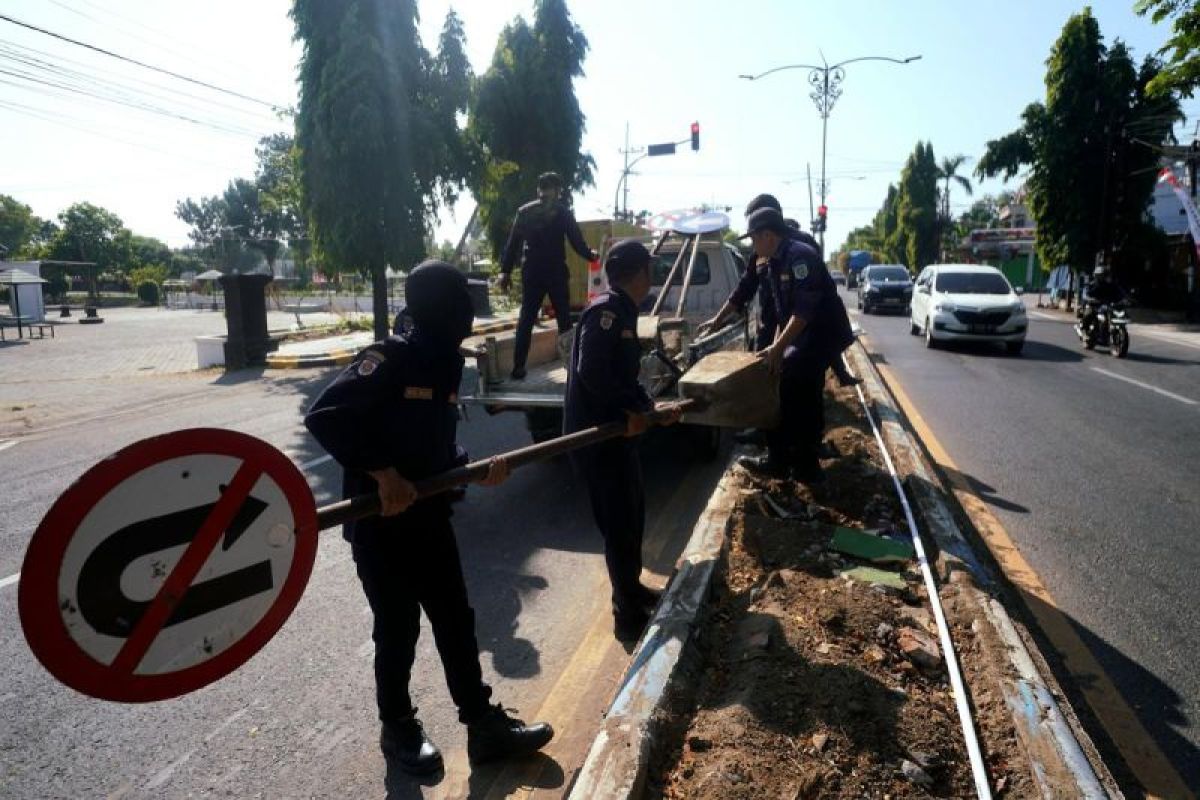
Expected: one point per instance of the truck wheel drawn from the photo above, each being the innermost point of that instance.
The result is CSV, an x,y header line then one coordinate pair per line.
x,y
544,423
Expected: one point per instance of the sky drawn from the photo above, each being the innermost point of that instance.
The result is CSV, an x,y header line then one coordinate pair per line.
x,y
654,67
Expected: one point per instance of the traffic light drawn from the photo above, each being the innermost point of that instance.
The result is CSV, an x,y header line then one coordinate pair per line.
x,y
820,222
695,135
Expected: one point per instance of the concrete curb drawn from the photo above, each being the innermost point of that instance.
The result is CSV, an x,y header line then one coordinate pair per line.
x,y
1046,736
617,762
338,358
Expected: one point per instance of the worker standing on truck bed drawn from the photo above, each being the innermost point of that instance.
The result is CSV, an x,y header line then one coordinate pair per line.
x,y
537,234
389,419
602,387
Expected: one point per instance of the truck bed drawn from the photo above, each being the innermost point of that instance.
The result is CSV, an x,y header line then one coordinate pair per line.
x,y
544,385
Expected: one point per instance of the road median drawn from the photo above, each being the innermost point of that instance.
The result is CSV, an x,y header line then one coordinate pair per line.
x,y
792,656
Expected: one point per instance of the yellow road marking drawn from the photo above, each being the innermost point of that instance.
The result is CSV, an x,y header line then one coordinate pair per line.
x,y
1137,747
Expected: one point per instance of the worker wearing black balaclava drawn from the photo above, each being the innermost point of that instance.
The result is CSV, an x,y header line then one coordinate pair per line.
x,y
390,419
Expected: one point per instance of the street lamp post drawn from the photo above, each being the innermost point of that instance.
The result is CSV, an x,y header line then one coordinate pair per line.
x,y
826,82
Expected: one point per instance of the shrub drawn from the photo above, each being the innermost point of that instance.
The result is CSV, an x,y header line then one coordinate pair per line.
x,y
147,292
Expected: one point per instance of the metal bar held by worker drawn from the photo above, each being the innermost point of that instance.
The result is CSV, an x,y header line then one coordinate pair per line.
x,y
366,505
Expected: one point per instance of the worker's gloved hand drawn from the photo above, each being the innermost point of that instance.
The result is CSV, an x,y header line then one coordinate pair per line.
x,y
497,472
668,413
505,281
396,493
635,424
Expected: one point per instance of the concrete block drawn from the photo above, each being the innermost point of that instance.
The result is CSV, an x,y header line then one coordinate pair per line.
x,y
734,390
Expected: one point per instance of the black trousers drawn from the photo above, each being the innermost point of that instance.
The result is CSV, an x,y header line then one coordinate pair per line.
x,y
535,285
802,413
407,564
613,474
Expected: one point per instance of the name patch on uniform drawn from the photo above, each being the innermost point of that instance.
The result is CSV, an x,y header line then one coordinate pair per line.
x,y
628,334
800,269
418,393
606,319
370,362
453,398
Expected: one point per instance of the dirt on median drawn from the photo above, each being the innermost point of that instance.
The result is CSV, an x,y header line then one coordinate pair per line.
x,y
814,684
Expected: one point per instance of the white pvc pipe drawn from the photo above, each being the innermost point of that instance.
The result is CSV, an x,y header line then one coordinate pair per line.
x,y
979,771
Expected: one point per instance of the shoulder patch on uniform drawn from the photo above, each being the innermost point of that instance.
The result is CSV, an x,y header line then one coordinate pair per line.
x,y
606,319
418,393
800,270
367,366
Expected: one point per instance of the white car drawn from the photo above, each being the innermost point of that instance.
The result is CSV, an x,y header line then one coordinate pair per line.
x,y
968,303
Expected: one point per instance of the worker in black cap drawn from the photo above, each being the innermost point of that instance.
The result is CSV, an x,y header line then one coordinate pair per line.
x,y
800,353
538,232
602,387
390,419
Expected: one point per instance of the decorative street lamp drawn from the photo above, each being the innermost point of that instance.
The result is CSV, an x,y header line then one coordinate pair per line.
x,y
826,82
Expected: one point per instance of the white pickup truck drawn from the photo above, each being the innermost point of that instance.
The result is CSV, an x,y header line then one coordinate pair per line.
x,y
699,271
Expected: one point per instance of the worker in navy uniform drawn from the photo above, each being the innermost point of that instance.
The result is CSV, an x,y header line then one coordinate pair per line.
x,y
390,419
537,234
602,387
801,289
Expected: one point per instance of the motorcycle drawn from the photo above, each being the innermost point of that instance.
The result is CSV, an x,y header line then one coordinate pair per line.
x,y
1108,329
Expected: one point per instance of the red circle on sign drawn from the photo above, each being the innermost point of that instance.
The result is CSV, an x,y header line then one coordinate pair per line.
x,y
38,597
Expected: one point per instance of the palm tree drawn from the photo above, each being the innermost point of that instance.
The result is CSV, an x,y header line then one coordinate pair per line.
x,y
947,172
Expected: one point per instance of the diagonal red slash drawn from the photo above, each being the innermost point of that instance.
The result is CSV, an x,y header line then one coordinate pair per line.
x,y
190,564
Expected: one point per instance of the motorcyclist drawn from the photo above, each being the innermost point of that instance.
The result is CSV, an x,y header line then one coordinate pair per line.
x,y
1102,291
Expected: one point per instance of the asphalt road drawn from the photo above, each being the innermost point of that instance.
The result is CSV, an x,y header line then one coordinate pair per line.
x,y
1092,465
298,720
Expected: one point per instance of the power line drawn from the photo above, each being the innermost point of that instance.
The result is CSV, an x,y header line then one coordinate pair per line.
x,y
46,115
21,54
161,41
142,64
130,104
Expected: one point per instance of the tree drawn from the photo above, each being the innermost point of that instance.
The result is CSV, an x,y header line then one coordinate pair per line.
x,y
916,235
1091,171
18,226
1181,72
525,118
146,251
91,233
948,173
372,130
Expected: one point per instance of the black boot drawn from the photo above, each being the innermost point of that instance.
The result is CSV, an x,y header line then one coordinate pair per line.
x,y
764,466
518,374
628,624
405,742
494,734
752,436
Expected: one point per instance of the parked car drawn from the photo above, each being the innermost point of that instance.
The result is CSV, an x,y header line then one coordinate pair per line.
x,y
838,276
967,302
885,286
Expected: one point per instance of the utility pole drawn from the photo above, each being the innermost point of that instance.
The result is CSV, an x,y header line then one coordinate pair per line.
x,y
826,82
812,214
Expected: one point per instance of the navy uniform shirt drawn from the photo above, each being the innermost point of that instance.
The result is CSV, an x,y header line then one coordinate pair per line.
x,y
602,378
802,287
757,279
538,234
395,405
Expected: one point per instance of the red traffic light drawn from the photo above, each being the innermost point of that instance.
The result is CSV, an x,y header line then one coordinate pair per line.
x,y
695,135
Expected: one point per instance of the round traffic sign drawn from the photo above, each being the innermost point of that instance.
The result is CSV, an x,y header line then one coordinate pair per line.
x,y
168,565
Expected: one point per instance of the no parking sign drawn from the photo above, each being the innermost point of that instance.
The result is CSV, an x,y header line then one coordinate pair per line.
x,y
168,565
